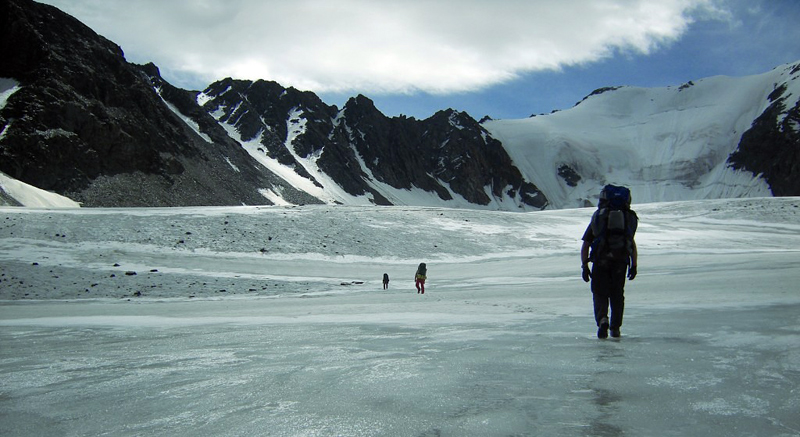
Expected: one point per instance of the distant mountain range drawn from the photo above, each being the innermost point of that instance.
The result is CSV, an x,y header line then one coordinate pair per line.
x,y
78,120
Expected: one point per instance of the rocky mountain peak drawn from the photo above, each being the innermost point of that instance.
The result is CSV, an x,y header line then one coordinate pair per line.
x,y
771,146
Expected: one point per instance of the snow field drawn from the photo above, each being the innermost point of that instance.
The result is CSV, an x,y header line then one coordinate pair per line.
x,y
305,342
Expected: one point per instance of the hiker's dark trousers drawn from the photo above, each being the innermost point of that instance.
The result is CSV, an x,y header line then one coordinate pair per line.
x,y
608,288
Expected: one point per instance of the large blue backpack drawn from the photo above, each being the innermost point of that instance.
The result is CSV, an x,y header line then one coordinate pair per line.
x,y
615,197
613,225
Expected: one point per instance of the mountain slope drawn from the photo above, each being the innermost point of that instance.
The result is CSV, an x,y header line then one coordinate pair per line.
x,y
772,145
357,155
86,124
673,143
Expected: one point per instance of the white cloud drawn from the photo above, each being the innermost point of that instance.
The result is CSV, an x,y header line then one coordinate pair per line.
x,y
386,46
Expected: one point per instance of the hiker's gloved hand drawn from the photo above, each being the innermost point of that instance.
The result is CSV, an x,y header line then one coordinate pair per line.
x,y
631,272
586,274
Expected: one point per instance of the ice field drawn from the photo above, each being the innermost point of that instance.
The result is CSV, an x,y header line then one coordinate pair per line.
x,y
273,321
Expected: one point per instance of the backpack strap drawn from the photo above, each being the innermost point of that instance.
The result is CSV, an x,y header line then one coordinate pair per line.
x,y
598,225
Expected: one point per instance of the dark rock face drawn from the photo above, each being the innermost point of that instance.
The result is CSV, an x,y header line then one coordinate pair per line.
x,y
66,102
264,108
570,176
89,125
772,145
449,149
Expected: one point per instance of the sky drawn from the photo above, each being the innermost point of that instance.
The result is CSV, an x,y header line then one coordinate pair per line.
x,y
504,58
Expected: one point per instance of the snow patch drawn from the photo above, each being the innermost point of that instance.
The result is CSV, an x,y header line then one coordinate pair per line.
x,y
233,166
189,122
33,197
7,88
274,197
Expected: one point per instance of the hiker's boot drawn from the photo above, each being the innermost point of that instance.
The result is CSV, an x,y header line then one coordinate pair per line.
x,y
615,333
602,332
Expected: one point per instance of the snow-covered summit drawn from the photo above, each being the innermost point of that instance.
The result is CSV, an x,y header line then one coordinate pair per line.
x,y
666,144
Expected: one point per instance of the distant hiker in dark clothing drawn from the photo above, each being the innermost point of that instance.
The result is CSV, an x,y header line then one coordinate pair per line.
x,y
385,281
419,278
609,236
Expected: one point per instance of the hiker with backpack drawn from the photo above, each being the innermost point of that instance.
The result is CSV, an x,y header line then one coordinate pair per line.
x,y
609,245
419,278
385,281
